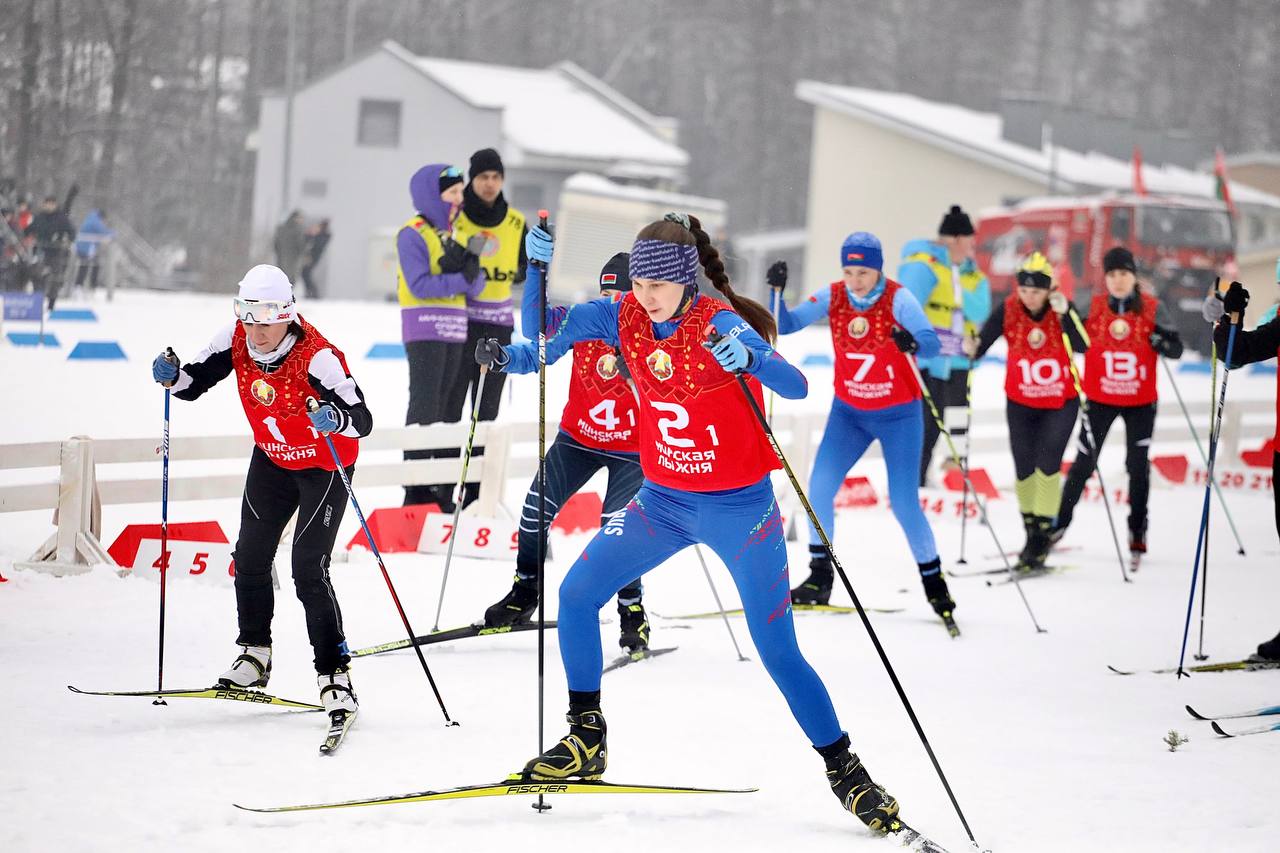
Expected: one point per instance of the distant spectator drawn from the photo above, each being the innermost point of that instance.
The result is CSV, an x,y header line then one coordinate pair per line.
x,y
317,241
290,243
52,231
93,233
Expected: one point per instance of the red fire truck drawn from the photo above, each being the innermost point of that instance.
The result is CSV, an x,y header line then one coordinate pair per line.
x,y
1180,244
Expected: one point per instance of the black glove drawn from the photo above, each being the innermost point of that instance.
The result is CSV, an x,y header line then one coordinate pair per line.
x,y
623,370
454,256
490,354
905,341
1166,342
777,275
1236,300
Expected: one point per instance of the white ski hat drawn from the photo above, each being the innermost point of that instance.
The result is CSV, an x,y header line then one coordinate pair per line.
x,y
265,296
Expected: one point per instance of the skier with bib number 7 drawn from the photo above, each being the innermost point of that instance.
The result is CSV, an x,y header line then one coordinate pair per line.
x,y
706,463
876,326
279,361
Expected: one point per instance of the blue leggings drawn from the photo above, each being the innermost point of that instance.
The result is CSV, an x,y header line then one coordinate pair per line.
x,y
744,528
850,431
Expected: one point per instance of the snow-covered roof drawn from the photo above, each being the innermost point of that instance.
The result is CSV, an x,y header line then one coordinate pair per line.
x,y
977,135
555,112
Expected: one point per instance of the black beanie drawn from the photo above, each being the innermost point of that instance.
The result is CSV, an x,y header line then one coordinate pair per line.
x,y
450,176
615,275
956,223
486,160
1118,258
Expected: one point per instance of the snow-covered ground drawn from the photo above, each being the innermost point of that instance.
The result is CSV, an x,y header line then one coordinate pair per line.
x,y
1045,749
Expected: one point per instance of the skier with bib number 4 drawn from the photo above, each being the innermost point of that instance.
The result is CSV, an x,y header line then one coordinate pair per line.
x,y
1041,397
876,326
598,430
279,360
706,463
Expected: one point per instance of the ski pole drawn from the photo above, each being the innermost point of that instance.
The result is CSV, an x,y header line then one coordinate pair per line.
x,y
164,527
977,496
461,492
1222,501
312,406
541,806
964,463
1086,430
844,578
1234,322
1204,564
716,594
774,295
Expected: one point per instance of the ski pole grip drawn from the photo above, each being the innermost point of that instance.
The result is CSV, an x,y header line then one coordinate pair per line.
x,y
312,405
171,357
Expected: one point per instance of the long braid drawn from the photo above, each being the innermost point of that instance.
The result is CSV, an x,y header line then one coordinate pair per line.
x,y
756,315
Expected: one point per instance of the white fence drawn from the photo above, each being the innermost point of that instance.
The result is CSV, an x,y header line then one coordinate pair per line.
x,y
80,489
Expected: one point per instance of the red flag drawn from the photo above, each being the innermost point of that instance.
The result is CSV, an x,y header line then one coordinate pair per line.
x,y
1223,190
1139,185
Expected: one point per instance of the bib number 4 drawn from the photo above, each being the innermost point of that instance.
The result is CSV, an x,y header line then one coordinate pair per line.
x,y
604,414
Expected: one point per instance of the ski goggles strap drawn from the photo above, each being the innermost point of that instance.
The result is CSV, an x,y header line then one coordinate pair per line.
x,y
264,312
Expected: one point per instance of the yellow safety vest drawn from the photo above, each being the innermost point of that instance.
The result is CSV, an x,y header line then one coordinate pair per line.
x,y
435,249
500,260
941,305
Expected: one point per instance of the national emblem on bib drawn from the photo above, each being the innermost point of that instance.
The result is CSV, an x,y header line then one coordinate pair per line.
x,y
1036,338
1119,329
262,392
858,327
660,365
607,365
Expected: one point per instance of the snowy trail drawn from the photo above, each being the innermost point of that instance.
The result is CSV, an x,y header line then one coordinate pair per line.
x,y
1046,750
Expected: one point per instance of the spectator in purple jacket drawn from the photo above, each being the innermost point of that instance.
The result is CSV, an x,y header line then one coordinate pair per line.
x,y
436,274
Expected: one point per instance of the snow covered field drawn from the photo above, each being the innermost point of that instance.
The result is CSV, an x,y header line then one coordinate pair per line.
x,y
1045,749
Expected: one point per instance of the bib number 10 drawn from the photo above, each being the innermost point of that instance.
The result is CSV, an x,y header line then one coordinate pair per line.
x,y
1044,371
678,419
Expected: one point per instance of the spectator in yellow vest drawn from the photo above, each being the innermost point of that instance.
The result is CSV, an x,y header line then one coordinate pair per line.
x,y
943,277
486,214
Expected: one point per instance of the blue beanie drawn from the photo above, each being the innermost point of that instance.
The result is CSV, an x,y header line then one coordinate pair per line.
x,y
862,249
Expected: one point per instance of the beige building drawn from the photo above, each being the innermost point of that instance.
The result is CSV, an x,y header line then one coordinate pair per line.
x,y
893,164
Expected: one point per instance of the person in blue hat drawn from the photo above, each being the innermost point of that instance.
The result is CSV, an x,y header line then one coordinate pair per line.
x,y
876,326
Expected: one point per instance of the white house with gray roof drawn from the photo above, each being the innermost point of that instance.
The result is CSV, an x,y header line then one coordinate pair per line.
x,y
359,133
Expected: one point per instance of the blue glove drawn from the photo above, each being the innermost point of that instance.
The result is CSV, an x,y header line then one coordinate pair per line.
x,y
538,245
164,369
732,354
328,418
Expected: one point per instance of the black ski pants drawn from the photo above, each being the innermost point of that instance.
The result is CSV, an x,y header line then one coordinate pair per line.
x,y
1039,437
271,495
949,393
569,466
466,381
433,367
1139,423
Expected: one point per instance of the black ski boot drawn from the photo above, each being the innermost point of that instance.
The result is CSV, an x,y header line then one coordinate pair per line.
x,y
1036,552
581,754
635,627
817,587
1270,650
515,607
935,589
1137,546
853,786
